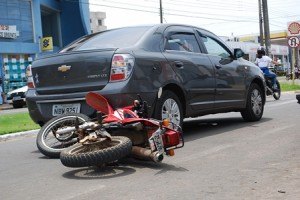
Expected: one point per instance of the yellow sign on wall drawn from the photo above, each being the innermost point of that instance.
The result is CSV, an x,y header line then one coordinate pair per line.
x,y
47,44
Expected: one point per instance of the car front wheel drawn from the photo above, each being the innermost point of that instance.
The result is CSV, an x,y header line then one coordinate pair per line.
x,y
169,107
255,105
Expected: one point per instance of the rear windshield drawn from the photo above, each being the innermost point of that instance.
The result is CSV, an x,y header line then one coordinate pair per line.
x,y
116,38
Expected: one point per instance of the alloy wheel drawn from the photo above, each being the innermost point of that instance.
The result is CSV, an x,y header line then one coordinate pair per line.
x,y
170,110
256,102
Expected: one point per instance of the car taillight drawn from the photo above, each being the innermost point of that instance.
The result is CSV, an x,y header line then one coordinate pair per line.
x,y
121,67
30,82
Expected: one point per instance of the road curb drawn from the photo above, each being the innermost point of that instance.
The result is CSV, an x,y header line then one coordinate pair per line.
x,y
14,135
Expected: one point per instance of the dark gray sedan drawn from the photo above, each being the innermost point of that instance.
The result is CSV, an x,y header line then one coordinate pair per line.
x,y
196,71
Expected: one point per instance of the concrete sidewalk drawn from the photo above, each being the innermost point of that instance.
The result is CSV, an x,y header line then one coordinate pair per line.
x,y
6,106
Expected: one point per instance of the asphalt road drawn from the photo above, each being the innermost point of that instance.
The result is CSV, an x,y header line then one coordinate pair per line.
x,y
224,158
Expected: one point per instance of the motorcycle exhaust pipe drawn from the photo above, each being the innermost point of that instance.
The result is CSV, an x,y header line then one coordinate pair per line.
x,y
146,154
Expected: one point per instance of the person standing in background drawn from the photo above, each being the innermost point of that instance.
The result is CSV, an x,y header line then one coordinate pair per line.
x,y
296,72
1,93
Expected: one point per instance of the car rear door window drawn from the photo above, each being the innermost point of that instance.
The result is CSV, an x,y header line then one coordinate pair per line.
x,y
182,42
214,48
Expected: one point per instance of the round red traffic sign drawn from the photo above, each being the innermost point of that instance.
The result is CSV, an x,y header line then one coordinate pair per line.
x,y
294,41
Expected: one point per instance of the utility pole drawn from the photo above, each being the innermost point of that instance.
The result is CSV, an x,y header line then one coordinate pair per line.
x,y
160,11
261,33
266,25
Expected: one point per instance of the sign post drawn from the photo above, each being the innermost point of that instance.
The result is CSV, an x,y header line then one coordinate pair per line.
x,y
293,42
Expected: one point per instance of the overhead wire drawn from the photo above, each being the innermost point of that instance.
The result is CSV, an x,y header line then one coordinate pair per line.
x,y
170,11
166,13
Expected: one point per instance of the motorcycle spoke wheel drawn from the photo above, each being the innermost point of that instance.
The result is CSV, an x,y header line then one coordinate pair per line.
x,y
50,143
96,153
277,92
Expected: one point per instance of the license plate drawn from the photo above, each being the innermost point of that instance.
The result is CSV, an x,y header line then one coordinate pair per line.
x,y
158,142
16,98
59,109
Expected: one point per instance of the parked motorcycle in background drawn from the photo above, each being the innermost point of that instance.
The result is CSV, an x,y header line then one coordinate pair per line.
x,y
114,134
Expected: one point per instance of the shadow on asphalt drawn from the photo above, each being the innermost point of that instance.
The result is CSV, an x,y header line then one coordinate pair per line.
x,y
161,167
123,168
200,128
107,172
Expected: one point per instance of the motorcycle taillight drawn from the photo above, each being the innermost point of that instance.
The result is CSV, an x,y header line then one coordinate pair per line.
x,y
171,138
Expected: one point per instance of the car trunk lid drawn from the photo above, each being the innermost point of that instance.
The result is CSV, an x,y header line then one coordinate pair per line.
x,y
72,72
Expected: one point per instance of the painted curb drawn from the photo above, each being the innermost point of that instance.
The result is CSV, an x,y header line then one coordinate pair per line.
x,y
19,134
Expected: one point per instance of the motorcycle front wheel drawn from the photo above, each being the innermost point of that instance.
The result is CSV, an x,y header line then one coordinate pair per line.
x,y
277,91
51,144
96,153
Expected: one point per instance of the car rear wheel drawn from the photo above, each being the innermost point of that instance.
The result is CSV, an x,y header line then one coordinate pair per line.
x,y
169,107
18,104
255,105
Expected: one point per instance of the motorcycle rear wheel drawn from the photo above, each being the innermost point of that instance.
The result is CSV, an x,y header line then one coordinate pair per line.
x,y
277,93
49,143
96,153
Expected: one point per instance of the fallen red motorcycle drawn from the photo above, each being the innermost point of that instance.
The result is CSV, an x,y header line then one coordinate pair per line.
x,y
114,134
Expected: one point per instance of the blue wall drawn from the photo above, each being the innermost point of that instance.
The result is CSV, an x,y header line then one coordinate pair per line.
x,y
74,22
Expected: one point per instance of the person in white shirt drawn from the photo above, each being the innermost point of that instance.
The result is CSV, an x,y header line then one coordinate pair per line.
x,y
1,93
264,62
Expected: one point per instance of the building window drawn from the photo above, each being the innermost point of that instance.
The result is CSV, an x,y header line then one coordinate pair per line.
x,y
99,22
51,25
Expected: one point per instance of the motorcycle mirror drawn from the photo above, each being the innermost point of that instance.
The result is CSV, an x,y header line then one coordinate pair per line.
x,y
159,93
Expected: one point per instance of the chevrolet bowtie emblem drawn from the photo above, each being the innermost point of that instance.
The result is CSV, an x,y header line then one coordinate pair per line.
x,y
64,68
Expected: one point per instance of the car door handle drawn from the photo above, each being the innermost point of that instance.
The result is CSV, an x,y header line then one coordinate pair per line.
x,y
218,66
178,64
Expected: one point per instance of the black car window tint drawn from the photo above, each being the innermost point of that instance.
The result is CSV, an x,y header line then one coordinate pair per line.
x,y
117,38
214,48
183,42
76,43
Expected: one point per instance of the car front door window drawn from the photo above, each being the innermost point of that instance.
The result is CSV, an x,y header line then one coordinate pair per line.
x,y
214,48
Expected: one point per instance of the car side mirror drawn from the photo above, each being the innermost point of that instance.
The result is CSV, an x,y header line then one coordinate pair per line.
x,y
238,53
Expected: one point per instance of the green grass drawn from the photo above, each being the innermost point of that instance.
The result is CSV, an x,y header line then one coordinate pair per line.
x,y
11,123
289,87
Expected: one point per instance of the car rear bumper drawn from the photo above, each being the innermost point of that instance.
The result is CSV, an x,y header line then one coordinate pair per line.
x,y
40,106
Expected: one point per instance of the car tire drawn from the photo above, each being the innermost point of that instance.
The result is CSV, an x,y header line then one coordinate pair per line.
x,y
18,105
93,154
254,105
169,106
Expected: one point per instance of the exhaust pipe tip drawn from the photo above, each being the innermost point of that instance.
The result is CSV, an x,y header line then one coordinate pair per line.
x,y
157,157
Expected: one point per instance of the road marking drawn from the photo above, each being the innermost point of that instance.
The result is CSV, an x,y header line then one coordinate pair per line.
x,y
282,103
84,192
205,153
